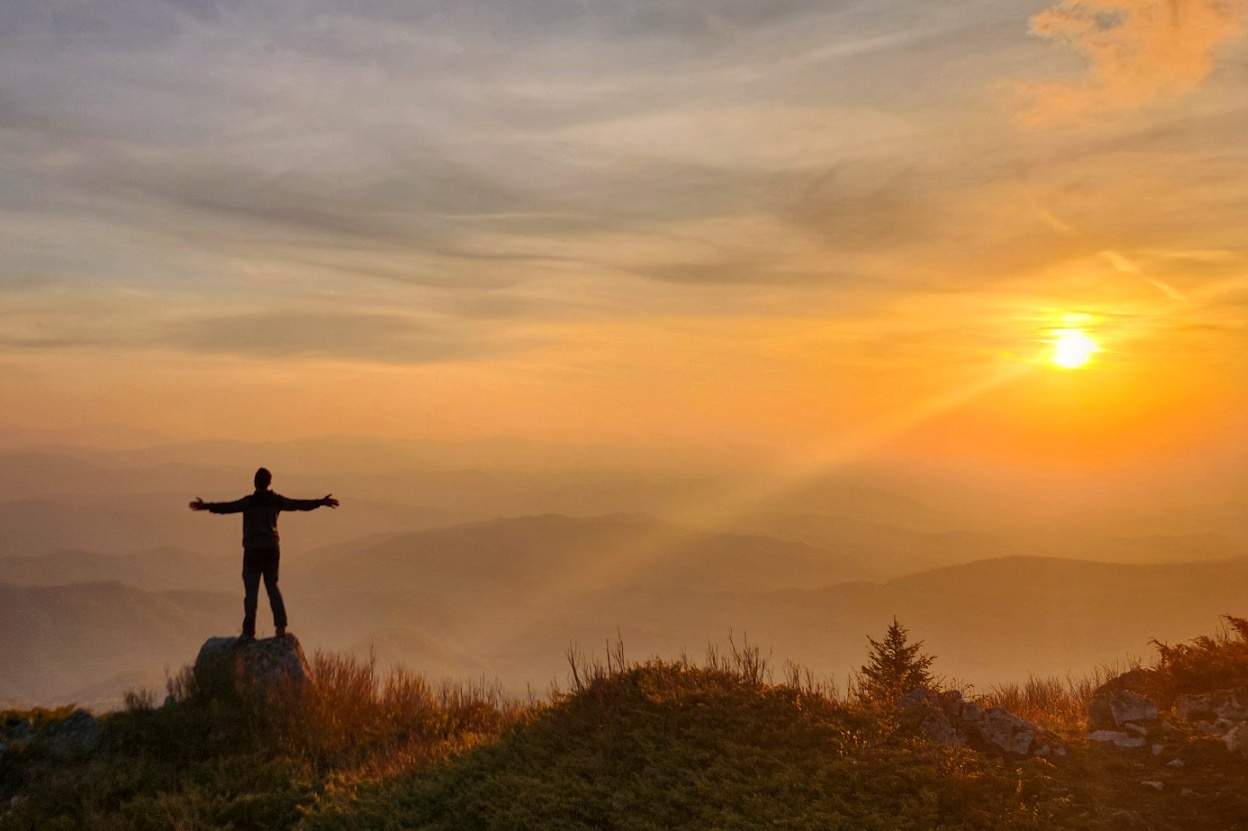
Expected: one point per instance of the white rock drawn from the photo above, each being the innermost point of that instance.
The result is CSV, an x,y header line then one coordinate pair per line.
x,y
1157,786
1174,763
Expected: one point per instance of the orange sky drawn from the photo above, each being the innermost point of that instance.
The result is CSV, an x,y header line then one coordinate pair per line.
x,y
821,231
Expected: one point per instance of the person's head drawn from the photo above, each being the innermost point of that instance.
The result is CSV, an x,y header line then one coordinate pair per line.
x,y
263,478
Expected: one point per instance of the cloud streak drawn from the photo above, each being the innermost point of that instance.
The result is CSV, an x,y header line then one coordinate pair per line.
x,y
1139,52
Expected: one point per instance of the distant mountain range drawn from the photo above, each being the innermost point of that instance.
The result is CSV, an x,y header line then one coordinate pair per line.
x,y
531,555
57,641
505,598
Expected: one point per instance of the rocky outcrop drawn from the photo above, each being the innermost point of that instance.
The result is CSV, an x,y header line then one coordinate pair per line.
x,y
1120,715
1222,705
234,667
1222,713
72,737
947,718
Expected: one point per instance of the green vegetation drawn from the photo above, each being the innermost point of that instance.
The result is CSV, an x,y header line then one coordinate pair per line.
x,y
1203,664
652,745
894,667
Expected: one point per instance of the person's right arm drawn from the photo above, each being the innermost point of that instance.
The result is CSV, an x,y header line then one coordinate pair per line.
x,y
234,507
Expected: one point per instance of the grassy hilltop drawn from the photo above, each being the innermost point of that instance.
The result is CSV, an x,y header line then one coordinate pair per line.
x,y
721,745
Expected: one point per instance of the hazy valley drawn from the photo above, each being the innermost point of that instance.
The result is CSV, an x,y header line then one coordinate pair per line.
x,y
495,570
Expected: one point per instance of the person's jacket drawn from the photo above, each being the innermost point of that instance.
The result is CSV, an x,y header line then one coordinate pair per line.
x,y
260,511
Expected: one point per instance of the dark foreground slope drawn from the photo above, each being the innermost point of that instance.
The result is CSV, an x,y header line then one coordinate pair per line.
x,y
655,746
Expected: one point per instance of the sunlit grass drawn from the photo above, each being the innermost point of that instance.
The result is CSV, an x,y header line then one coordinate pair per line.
x,y
727,741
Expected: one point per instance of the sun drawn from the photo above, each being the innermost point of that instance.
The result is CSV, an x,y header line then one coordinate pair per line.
x,y
1072,348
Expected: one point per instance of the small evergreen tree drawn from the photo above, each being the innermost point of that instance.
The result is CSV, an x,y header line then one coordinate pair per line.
x,y
894,667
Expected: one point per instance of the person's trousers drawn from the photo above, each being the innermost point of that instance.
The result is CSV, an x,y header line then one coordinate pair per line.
x,y
261,564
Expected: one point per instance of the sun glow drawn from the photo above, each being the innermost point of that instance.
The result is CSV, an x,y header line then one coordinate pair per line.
x,y
1072,348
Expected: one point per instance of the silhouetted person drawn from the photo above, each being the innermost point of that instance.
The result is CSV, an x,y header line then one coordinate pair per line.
x,y
261,551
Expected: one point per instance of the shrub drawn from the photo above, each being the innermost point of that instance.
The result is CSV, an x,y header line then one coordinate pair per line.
x,y
1205,663
894,667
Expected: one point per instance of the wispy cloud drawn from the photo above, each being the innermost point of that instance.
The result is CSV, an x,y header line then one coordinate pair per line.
x,y
1139,51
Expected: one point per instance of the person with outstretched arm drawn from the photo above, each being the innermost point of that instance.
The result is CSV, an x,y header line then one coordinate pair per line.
x,y
261,551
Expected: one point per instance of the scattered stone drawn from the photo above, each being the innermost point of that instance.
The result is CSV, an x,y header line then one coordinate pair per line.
x,y
1136,728
1158,748
1156,786
1187,792
1118,739
1175,763
74,736
229,666
1131,818
1237,739
1231,705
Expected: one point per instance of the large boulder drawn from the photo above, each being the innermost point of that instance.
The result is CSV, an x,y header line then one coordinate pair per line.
x,y
1132,708
236,667
1005,731
1123,700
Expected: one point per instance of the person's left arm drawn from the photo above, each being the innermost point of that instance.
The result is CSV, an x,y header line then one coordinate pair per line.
x,y
327,501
